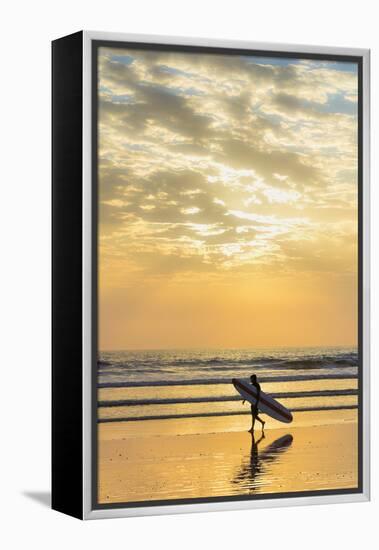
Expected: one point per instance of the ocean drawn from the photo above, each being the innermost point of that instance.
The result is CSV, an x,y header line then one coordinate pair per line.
x,y
171,384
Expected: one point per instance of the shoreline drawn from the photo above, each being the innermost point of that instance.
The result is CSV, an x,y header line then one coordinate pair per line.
x,y
163,460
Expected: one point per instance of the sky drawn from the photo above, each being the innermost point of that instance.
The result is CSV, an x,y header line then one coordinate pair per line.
x,y
227,201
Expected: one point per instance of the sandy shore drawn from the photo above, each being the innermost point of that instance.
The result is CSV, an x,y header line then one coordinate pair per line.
x,y
157,460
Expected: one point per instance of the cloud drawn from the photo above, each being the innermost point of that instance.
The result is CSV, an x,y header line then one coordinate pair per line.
x,y
212,163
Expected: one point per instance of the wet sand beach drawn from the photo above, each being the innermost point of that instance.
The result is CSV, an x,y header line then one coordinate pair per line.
x,y
194,458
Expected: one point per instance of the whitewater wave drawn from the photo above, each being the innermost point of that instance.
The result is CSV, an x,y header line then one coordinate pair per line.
x,y
227,363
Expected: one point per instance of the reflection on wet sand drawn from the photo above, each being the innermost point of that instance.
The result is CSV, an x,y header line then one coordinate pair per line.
x,y
257,463
139,466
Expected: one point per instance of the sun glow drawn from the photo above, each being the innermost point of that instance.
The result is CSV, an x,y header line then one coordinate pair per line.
x,y
227,201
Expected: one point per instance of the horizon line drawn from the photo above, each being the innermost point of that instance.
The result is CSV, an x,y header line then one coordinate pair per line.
x,y
202,348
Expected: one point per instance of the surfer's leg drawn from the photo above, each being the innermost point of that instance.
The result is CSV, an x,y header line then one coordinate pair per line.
x,y
262,422
260,439
253,415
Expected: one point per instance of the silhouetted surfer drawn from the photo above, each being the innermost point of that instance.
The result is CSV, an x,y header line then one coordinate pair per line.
x,y
254,408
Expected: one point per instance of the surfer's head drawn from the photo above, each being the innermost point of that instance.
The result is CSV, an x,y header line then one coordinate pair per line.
x,y
253,378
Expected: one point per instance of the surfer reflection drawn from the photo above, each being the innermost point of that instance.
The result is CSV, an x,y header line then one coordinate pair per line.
x,y
255,464
254,408
254,467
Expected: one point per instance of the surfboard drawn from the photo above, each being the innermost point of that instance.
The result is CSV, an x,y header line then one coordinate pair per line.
x,y
267,404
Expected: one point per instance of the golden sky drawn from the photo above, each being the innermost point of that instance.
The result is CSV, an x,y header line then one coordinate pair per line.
x,y
227,201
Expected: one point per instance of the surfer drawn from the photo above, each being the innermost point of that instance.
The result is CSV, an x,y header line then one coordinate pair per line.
x,y
254,408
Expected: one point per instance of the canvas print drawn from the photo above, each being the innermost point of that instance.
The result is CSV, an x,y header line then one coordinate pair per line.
x,y
228,361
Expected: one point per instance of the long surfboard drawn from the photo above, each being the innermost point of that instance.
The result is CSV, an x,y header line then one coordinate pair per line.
x,y
267,404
